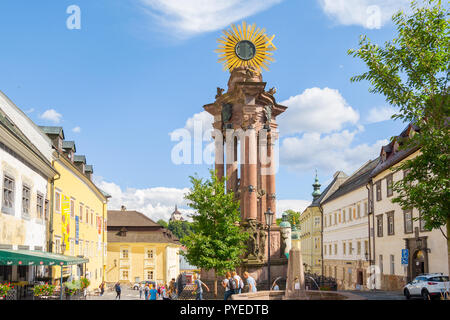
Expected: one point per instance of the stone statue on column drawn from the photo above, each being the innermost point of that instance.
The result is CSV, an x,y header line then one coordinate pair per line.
x,y
286,234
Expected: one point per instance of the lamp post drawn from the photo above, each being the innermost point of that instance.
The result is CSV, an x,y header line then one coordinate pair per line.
x,y
269,220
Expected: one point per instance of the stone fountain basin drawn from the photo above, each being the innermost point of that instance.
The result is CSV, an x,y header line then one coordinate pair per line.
x,y
308,295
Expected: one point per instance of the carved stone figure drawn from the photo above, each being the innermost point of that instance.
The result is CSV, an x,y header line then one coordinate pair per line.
x,y
262,244
253,240
268,113
219,92
227,112
286,241
273,91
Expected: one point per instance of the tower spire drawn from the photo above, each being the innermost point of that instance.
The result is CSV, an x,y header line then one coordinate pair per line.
x,y
316,194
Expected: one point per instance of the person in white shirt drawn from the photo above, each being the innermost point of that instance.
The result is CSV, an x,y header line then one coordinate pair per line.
x,y
226,285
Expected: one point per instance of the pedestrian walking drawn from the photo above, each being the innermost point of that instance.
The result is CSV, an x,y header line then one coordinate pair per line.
x,y
146,291
102,288
141,290
226,284
251,282
198,287
165,292
172,289
118,290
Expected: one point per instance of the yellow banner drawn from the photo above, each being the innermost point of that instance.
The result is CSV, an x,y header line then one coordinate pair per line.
x,y
65,216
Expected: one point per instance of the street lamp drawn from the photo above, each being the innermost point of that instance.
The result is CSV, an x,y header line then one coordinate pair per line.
x,y
269,220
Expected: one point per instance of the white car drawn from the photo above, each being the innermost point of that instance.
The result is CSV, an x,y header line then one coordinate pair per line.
x,y
428,286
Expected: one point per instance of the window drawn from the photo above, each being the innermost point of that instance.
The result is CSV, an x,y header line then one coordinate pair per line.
x,y
8,195
358,210
344,217
124,254
149,275
26,194
72,209
350,214
317,221
47,208
329,249
390,221
366,209
87,249
81,212
92,217
389,185
72,247
150,253
335,248
366,248
124,275
80,248
381,263
344,248
392,264
40,206
87,215
358,247
335,218
421,223
57,201
350,248
380,225
325,249
57,248
340,217
354,213
378,190
407,217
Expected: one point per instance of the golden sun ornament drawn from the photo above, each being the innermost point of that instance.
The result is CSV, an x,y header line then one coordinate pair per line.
x,y
245,46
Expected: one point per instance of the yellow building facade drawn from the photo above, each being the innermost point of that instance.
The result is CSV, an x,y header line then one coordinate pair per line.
x,y
140,249
79,213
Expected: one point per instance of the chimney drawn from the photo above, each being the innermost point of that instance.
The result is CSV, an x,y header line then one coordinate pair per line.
x,y
123,208
80,162
89,171
69,149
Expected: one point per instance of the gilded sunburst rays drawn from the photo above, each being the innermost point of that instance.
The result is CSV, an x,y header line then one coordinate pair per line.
x,y
245,45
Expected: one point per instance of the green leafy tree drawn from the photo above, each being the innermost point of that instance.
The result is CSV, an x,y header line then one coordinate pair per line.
x,y
180,229
293,217
163,223
412,72
217,241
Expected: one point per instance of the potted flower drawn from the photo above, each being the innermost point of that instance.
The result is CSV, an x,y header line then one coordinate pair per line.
x,y
72,288
4,289
44,290
85,283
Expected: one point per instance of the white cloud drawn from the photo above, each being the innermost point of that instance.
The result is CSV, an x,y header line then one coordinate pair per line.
x,y
51,115
380,114
296,205
200,122
327,153
157,203
371,14
76,130
316,110
190,17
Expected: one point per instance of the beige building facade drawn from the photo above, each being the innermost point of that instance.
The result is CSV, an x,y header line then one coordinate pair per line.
x,y
395,229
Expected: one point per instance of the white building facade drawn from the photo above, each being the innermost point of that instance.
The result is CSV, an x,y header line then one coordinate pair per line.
x,y
346,233
25,170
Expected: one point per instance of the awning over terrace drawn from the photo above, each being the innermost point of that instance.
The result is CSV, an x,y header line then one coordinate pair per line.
x,y
37,258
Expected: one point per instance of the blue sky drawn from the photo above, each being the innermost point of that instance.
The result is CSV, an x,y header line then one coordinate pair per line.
x,y
139,69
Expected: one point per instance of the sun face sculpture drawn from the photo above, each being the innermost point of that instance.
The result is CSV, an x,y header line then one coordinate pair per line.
x,y
245,46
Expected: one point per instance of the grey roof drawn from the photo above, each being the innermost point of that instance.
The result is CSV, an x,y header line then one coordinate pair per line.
x,y
89,168
69,145
159,235
52,130
77,158
392,156
105,194
360,178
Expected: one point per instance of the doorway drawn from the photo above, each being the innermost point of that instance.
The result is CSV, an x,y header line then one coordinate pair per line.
x,y
418,263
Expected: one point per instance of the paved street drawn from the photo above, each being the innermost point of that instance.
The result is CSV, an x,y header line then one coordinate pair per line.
x,y
127,294
380,295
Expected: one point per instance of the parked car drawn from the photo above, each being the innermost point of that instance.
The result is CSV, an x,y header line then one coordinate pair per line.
x,y
428,286
136,284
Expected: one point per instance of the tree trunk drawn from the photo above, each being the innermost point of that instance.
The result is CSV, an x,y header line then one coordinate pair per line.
x,y
448,243
215,284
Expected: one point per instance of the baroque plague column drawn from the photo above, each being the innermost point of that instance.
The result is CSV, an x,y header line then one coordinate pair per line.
x,y
245,123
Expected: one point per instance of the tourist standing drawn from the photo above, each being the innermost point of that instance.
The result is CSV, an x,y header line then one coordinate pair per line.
x,y
251,282
141,290
226,285
239,283
165,292
198,287
118,290
146,291
153,293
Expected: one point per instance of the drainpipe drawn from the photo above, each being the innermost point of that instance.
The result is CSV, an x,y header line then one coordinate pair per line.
x,y
321,237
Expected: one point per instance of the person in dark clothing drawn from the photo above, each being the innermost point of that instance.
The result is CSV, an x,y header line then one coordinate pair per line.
x,y
102,288
118,290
